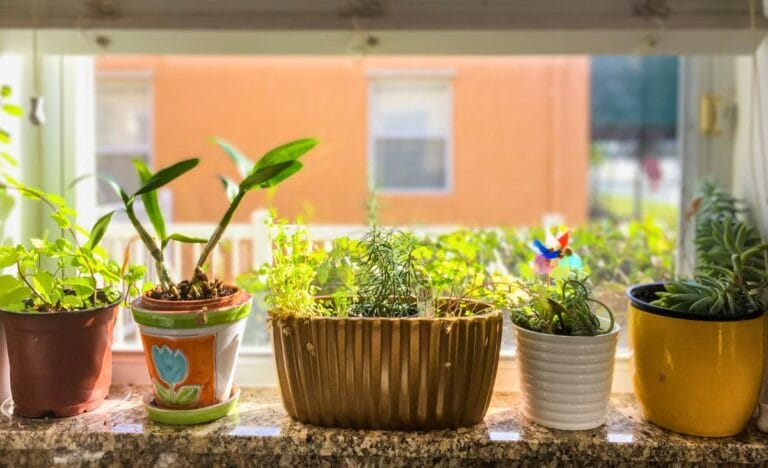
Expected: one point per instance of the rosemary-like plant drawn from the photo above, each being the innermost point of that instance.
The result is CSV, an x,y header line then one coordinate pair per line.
x,y
389,279
731,276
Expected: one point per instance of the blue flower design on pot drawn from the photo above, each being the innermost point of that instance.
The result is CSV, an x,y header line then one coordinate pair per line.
x,y
171,365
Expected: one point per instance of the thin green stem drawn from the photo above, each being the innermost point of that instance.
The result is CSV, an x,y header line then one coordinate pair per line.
x,y
154,250
222,226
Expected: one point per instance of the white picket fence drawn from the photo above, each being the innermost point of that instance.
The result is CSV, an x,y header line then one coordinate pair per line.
x,y
244,247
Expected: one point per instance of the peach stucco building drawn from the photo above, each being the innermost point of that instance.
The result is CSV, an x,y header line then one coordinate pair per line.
x,y
514,145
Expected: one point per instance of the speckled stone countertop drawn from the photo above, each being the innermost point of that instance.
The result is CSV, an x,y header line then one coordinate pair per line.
x,y
261,434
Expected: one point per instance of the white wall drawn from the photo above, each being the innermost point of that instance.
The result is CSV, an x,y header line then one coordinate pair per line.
x,y
750,158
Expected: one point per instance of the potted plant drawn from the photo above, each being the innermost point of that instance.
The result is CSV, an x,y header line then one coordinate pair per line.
x,y
566,342
698,342
381,348
191,329
58,307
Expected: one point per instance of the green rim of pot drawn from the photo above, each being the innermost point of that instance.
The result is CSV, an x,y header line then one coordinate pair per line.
x,y
188,320
644,289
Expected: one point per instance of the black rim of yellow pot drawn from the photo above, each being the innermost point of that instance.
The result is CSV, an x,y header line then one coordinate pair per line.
x,y
637,294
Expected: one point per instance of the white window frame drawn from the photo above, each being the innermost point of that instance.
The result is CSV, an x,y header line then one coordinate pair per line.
x,y
374,77
257,368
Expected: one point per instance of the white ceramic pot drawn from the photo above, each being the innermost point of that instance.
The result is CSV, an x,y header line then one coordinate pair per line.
x,y
566,380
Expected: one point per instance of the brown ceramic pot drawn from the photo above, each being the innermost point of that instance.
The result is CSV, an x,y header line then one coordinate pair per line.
x,y
412,373
149,303
61,363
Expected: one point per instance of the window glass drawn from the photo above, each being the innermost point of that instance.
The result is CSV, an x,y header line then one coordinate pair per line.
x,y
123,131
410,124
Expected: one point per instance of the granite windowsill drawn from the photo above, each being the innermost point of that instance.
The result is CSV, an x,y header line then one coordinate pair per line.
x,y
260,433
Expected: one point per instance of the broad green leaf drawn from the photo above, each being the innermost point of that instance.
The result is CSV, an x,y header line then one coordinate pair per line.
x,y
188,394
80,285
163,393
13,109
166,175
9,159
9,282
282,175
55,199
287,152
8,256
263,175
71,302
61,220
150,200
37,243
98,230
186,239
12,291
5,137
230,186
244,165
43,283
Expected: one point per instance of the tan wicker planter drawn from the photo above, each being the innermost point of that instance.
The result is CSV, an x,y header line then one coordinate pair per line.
x,y
387,373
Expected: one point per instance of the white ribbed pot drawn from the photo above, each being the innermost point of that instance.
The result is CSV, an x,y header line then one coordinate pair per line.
x,y
566,380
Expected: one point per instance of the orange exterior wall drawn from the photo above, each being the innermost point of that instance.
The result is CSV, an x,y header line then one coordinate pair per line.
x,y
520,134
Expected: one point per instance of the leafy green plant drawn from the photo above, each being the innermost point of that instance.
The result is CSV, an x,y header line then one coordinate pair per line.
x,y
566,308
275,166
82,275
731,276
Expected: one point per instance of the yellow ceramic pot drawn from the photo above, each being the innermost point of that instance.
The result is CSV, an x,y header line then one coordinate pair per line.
x,y
693,374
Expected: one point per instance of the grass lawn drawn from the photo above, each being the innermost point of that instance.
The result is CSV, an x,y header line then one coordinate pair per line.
x,y
622,207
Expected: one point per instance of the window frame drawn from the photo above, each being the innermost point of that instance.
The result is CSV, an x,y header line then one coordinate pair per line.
x,y
446,76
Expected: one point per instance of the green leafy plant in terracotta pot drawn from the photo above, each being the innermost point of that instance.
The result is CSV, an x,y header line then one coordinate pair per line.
x,y
191,329
58,301
698,342
368,320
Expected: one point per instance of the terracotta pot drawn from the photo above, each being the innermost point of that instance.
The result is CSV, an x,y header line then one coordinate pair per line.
x,y
191,347
411,373
61,363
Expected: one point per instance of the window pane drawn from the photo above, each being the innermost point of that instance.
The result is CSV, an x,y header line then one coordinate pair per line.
x,y
123,118
122,110
410,163
410,107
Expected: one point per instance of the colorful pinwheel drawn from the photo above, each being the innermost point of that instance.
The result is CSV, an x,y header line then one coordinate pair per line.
x,y
548,257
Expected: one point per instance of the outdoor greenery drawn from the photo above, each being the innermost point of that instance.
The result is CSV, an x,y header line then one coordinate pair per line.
x,y
731,276
483,264
60,274
275,166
